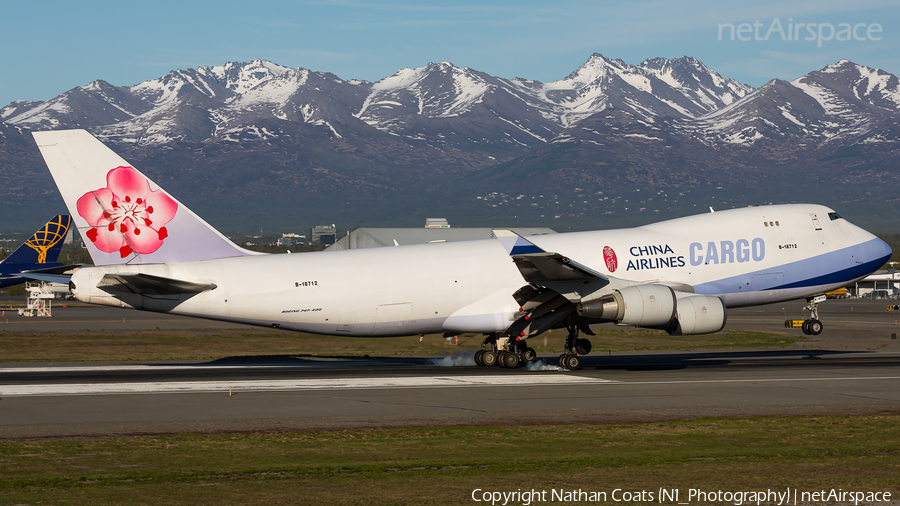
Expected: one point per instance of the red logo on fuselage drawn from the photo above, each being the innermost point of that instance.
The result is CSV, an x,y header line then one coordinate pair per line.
x,y
609,256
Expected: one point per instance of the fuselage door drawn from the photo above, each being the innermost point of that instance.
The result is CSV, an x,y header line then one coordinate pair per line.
x,y
815,221
392,316
348,321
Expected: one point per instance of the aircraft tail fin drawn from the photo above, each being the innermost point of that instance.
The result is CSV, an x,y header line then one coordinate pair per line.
x,y
123,216
44,245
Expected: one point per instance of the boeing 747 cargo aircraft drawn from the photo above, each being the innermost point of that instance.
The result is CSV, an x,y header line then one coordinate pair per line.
x,y
152,253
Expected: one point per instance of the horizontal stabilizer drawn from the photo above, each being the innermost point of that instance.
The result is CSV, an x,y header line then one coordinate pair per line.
x,y
62,279
151,286
60,269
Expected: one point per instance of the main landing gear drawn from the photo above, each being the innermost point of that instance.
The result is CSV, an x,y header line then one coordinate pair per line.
x,y
575,346
813,326
505,352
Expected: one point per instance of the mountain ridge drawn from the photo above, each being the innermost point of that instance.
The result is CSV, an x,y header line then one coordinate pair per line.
x,y
446,139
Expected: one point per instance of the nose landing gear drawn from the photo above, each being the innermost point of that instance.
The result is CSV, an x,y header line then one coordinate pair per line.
x,y
813,326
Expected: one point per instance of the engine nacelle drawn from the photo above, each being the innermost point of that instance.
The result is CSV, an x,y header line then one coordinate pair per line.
x,y
699,314
639,305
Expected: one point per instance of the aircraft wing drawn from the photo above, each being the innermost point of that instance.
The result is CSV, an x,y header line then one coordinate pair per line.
x,y
151,286
558,287
554,270
537,265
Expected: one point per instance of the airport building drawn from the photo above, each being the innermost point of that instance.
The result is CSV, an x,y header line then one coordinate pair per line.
x,y
378,237
323,234
436,223
878,285
290,240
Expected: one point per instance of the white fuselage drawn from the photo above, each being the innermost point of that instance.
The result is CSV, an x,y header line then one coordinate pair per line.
x,y
467,286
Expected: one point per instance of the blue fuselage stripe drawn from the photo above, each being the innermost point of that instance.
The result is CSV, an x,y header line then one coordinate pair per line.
x,y
828,269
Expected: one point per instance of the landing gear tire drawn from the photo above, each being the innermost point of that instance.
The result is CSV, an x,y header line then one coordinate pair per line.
x,y
489,358
814,327
561,362
583,346
501,358
573,363
529,355
511,360
478,355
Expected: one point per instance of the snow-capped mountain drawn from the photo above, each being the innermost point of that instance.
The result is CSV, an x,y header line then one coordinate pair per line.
x,y
412,101
439,103
194,104
445,105
659,87
843,104
440,133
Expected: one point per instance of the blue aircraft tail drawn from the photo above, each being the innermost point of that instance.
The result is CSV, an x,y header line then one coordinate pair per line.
x,y
44,245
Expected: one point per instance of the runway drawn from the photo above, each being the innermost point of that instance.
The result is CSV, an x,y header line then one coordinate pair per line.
x,y
852,368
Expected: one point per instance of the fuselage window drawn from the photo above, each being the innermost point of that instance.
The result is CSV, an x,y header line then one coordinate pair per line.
x,y
766,223
777,224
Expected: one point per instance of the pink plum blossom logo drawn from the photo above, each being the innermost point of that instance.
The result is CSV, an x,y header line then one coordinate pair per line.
x,y
127,216
609,256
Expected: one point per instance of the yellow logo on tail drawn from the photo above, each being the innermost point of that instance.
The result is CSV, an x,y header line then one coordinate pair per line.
x,y
54,231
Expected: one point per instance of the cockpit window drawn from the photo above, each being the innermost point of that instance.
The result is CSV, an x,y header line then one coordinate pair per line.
x,y
835,216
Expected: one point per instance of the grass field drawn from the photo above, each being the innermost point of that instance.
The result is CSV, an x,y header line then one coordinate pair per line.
x,y
211,344
445,465
441,465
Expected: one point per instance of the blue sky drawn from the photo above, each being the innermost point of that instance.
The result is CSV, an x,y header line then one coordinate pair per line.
x,y
52,46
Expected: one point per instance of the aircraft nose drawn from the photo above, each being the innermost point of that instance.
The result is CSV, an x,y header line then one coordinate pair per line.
x,y
875,252
885,250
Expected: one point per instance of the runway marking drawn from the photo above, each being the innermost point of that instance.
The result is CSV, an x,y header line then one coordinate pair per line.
x,y
308,362
772,320
295,384
758,380
92,320
364,383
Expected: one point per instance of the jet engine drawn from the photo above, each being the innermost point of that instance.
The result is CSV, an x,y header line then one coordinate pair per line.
x,y
660,307
698,314
639,305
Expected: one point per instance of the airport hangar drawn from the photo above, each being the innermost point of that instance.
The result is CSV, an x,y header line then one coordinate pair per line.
x,y
436,230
